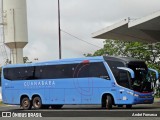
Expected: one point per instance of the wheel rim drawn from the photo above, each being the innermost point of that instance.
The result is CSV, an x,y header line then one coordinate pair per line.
x,y
26,103
37,103
106,103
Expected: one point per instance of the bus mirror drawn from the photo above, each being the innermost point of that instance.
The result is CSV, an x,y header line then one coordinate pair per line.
x,y
129,70
155,71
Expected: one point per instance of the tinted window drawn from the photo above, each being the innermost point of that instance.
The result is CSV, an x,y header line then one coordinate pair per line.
x,y
98,70
138,68
142,80
80,70
113,66
54,71
20,73
121,76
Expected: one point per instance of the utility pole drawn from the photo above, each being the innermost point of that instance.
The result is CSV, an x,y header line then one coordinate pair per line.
x,y
59,30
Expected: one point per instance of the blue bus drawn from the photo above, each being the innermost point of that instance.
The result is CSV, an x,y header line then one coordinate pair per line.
x,y
100,80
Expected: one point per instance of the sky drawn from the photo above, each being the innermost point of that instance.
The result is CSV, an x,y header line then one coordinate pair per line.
x,y
80,18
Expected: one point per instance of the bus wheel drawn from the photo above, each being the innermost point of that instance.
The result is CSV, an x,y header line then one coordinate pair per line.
x,y
108,102
37,102
56,106
26,104
128,106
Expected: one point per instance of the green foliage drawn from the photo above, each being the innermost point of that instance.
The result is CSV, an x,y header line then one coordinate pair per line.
x,y
147,52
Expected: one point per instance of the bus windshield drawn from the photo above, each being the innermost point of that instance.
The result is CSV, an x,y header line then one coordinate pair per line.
x,y
122,77
142,80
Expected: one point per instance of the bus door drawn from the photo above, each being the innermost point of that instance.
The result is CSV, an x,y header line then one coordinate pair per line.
x,y
124,80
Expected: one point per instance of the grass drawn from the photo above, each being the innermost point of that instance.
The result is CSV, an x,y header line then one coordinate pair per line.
x,y
1,103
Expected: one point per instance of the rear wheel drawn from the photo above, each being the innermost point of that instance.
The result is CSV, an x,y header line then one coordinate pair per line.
x,y
128,106
108,102
37,102
25,103
56,106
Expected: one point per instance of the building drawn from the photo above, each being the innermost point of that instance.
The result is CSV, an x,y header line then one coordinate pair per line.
x,y
145,29
15,28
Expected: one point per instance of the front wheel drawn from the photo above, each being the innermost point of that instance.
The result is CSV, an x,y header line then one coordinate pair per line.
x,y
108,102
26,104
37,102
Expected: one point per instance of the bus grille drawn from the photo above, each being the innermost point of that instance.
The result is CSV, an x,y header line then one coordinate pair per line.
x,y
145,96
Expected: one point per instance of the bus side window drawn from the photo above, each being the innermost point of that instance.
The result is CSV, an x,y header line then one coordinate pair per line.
x,y
10,73
19,73
68,70
54,71
38,72
83,71
98,69
123,79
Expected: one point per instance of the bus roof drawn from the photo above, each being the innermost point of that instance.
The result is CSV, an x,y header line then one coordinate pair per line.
x,y
70,60
76,60
122,59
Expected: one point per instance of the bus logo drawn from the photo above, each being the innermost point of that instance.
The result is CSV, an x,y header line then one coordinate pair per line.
x,y
39,83
6,114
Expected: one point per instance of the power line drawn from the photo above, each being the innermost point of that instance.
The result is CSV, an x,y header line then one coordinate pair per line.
x,y
80,39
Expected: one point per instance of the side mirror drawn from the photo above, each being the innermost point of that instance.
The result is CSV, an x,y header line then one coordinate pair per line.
x,y
155,71
129,70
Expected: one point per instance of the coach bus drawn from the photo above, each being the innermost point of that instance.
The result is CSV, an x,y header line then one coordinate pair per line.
x,y
100,80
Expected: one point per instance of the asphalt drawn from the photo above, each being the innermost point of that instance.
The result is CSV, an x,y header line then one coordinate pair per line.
x,y
88,111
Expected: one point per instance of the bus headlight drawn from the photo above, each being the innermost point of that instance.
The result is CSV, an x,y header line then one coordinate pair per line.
x,y
136,95
131,93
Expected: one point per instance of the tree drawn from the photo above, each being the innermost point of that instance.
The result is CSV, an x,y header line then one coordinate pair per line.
x,y
7,61
147,52
25,59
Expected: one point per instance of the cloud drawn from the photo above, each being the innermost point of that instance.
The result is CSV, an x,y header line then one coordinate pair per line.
x,y
41,51
80,18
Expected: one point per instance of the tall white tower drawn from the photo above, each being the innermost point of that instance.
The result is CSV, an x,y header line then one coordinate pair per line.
x,y
15,28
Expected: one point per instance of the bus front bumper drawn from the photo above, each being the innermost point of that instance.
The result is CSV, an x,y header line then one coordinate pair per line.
x,y
143,99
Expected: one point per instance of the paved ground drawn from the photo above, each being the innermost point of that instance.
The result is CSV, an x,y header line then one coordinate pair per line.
x,y
89,111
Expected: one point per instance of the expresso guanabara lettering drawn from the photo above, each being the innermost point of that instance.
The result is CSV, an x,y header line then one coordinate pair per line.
x,y
39,83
